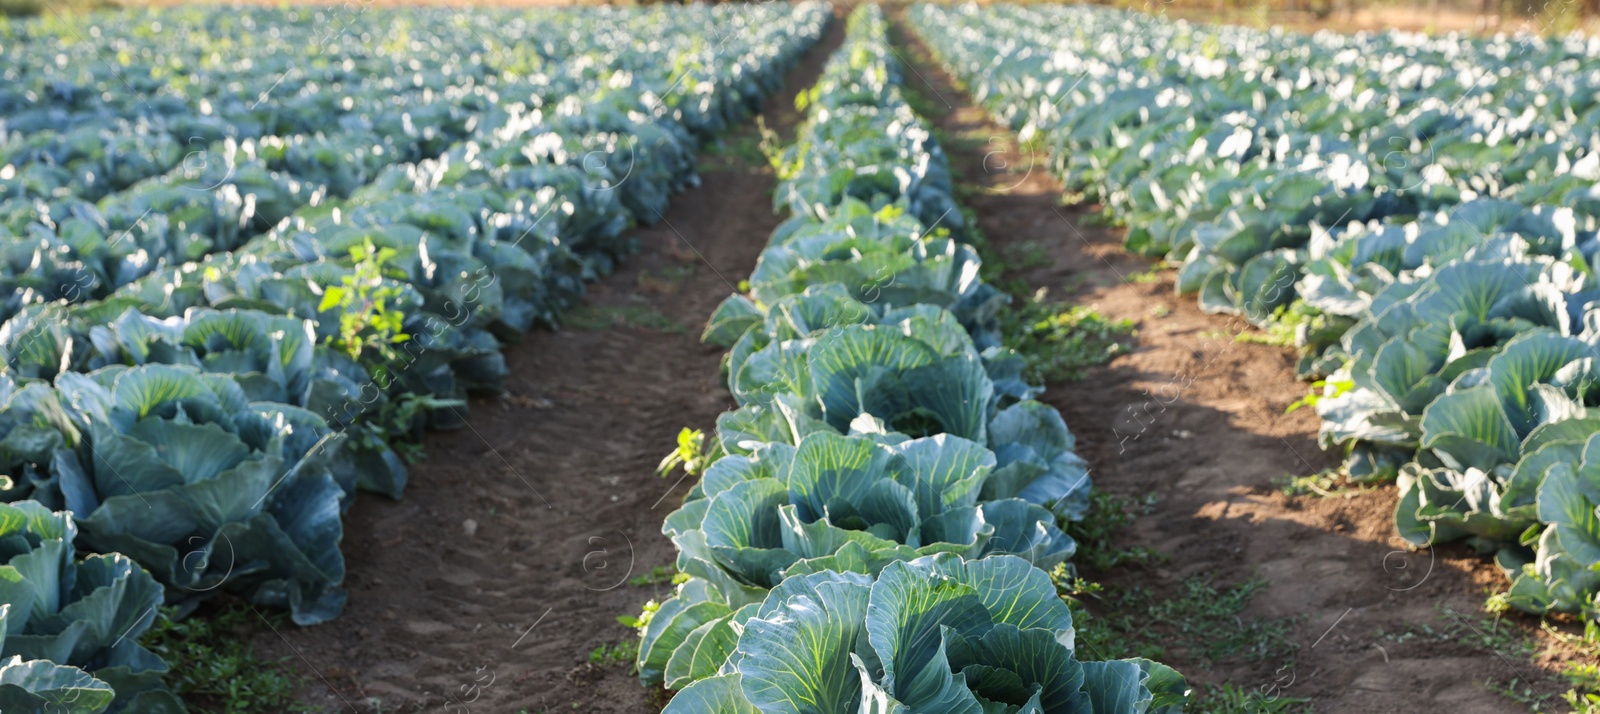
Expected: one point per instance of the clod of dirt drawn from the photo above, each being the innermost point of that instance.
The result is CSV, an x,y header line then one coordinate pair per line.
x,y
586,673
470,527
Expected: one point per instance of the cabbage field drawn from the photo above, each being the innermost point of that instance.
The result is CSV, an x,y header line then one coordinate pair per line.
x,y
1423,211
256,259
231,286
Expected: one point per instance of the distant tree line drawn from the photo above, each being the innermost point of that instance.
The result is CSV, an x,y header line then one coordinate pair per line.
x,y
1548,16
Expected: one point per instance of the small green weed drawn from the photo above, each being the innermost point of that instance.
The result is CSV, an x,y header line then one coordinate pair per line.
x,y
1200,620
659,575
665,281
1107,514
624,652
1230,699
371,329
1307,328
1061,342
742,148
369,324
589,317
1025,255
1507,641
1275,335
642,621
1526,694
400,419
1145,277
213,666
1582,672
1104,218
1272,337
1491,634
1318,392
690,454
1327,484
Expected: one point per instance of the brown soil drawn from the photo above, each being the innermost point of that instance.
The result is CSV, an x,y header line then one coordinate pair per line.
x,y
1198,419
507,563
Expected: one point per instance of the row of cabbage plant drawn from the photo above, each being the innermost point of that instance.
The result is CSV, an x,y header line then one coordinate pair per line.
x,y
1423,208
69,238
111,175
208,421
1226,148
876,525
100,194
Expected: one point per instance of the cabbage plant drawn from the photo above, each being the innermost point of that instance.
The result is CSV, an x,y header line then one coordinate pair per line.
x,y
1350,266
935,634
823,361
1468,385
884,257
179,470
272,358
836,502
1482,428
1428,333
1564,470
42,685
69,629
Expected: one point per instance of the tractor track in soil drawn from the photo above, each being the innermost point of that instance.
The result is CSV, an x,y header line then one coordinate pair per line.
x,y
1198,418
558,478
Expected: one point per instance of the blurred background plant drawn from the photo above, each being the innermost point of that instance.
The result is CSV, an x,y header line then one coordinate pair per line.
x,y
32,8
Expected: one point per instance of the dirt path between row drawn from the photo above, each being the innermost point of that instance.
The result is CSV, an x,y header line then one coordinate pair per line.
x,y
1198,419
508,561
